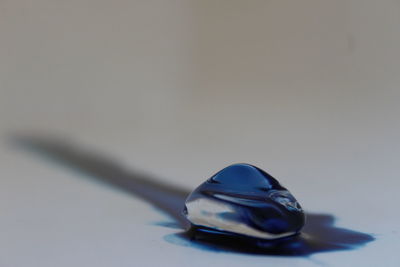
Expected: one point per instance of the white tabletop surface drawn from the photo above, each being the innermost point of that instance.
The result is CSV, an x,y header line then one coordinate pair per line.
x,y
174,91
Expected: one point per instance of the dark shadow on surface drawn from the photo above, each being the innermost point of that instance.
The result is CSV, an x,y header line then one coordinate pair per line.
x,y
318,235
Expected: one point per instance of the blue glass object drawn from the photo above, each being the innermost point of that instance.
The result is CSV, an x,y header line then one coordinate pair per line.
x,y
246,201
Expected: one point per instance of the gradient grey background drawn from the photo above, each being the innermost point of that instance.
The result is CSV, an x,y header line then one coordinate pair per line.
x,y
307,90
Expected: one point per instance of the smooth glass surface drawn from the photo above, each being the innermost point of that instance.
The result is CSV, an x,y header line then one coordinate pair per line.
x,y
243,199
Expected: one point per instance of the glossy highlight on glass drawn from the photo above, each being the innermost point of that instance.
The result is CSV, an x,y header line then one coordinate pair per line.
x,y
244,200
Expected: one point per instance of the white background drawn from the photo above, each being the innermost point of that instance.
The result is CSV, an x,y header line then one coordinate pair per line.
x,y
307,90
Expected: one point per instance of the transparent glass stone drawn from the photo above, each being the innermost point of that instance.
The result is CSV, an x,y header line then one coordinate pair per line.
x,y
244,200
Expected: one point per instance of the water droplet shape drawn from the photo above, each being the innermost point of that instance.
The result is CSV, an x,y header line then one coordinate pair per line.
x,y
244,200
